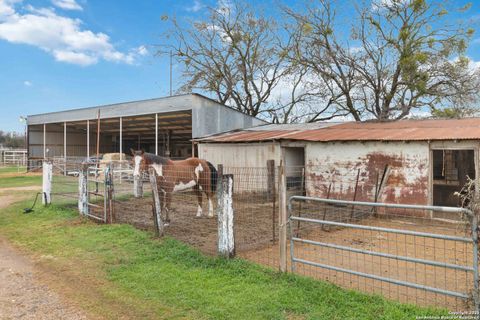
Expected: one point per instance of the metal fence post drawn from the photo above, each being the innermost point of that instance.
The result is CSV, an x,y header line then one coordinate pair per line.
x,y
137,186
282,219
474,223
270,180
225,213
83,189
47,170
157,211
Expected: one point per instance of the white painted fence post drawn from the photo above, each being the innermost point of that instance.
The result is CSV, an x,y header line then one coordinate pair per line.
x,y
47,169
225,213
157,205
137,186
83,189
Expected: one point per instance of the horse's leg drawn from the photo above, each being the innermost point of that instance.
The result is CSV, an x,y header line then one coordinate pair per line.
x,y
210,205
199,200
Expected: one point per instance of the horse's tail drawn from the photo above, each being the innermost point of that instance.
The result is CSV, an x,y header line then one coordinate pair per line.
x,y
213,177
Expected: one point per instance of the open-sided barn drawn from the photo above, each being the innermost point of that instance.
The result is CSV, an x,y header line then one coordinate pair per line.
x,y
164,126
408,161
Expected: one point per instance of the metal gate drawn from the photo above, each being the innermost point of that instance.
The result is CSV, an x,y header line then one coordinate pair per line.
x,y
422,254
99,184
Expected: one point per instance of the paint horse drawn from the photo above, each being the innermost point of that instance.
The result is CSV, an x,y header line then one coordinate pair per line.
x,y
179,175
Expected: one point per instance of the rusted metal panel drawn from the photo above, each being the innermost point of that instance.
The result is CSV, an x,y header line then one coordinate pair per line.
x,y
335,166
405,130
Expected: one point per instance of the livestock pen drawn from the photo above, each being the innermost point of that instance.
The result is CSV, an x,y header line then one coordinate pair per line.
x,y
423,254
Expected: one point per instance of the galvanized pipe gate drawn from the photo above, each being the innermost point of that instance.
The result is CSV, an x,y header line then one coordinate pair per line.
x,y
473,240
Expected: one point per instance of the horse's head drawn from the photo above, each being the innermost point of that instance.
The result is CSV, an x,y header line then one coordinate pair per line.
x,y
139,163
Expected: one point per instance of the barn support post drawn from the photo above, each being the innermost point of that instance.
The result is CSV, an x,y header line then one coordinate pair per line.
x,y
121,138
83,189
47,171
157,204
64,148
44,141
137,186
225,214
88,139
156,134
282,217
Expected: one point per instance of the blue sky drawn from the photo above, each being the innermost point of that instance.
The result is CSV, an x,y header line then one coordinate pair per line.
x,y
61,54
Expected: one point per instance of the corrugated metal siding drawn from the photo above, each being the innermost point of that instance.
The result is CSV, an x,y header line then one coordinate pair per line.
x,y
405,130
338,164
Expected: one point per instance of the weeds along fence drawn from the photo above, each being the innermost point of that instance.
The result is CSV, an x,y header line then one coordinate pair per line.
x,y
336,229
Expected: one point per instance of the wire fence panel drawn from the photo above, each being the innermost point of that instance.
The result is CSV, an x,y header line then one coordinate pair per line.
x,y
65,183
183,221
422,255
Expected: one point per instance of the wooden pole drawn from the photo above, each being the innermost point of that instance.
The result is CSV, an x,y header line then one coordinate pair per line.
x,y
271,192
157,203
98,136
355,194
83,189
225,214
324,227
47,170
98,152
282,219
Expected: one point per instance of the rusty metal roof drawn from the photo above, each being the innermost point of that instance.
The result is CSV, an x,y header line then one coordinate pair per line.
x,y
404,130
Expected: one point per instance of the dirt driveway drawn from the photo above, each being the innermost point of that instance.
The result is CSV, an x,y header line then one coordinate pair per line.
x,y
22,294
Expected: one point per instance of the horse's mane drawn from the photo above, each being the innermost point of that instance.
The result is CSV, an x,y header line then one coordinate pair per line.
x,y
156,159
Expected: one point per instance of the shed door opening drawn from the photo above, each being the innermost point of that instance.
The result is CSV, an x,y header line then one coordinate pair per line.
x,y
450,171
294,168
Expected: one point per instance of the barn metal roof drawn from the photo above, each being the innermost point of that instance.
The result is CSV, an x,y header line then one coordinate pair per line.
x,y
404,130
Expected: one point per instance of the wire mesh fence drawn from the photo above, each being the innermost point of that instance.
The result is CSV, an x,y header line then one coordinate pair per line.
x,y
187,210
444,262
421,256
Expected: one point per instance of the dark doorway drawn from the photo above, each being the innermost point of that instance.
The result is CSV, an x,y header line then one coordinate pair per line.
x,y
451,170
294,159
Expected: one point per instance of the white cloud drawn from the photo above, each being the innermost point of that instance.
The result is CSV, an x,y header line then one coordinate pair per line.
x,y
27,83
195,7
62,37
142,51
67,4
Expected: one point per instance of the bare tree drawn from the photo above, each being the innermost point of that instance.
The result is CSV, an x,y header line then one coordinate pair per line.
x,y
404,55
235,55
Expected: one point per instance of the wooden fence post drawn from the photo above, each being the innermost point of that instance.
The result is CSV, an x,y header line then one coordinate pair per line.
x,y
83,189
157,212
137,186
225,213
270,180
271,193
282,219
47,171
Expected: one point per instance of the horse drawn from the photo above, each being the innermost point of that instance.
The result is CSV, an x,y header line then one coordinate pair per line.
x,y
179,175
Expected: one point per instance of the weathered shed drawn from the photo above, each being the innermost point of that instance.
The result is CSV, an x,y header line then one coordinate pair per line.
x,y
422,161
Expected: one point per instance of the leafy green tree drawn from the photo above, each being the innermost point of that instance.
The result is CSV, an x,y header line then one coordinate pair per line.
x,y
402,55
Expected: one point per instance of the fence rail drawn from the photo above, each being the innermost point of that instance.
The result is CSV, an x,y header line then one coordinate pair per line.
x,y
427,255
436,275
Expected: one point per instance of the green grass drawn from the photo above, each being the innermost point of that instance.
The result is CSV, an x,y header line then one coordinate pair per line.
x,y
169,280
12,169
119,271
19,181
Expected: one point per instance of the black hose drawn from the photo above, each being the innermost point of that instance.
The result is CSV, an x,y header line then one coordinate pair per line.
x,y
28,210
